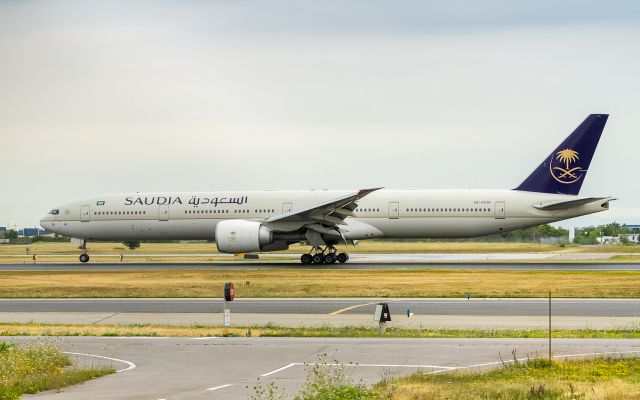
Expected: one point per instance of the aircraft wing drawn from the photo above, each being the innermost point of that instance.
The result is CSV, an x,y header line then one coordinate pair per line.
x,y
330,213
563,205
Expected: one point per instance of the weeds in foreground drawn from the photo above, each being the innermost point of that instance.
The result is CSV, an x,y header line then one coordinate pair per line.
x,y
38,367
266,391
535,378
326,380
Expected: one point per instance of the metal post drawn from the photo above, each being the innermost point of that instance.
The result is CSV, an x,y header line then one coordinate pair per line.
x,y
225,331
549,326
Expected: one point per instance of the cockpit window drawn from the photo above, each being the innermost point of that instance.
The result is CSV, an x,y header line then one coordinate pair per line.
x,y
54,212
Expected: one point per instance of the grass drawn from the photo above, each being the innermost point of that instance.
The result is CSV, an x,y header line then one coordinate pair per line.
x,y
536,378
625,258
599,378
365,246
132,330
319,283
37,368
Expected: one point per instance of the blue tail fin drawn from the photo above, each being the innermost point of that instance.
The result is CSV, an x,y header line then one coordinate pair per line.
x,y
565,169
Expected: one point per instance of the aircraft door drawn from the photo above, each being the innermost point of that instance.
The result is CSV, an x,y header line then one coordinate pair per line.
x,y
163,212
287,207
500,209
85,214
394,210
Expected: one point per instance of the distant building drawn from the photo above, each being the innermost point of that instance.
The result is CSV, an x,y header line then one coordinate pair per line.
x,y
28,232
3,228
572,234
633,237
634,228
608,240
551,240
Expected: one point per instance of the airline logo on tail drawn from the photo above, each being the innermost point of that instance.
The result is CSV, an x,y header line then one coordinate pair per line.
x,y
563,166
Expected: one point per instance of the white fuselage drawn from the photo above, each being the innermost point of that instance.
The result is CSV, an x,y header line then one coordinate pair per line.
x,y
381,214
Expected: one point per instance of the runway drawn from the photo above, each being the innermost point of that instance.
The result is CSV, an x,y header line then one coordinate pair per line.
x,y
334,306
230,368
260,265
424,313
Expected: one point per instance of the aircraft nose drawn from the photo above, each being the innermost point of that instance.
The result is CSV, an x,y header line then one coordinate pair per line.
x,y
44,221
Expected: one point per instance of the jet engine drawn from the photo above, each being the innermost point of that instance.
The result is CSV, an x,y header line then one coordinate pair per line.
x,y
242,236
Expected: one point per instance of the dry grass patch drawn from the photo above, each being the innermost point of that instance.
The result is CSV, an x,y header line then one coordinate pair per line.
x,y
319,283
600,378
365,246
153,330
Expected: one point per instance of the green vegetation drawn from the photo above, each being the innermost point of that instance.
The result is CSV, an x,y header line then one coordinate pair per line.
x,y
325,381
10,234
36,368
131,244
533,234
599,378
319,283
532,379
33,329
49,238
589,235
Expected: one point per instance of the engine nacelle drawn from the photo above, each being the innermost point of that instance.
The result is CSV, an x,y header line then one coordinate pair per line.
x,y
242,236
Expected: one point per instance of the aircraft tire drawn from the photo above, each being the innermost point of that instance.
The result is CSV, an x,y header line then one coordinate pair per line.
x,y
343,258
318,258
306,258
84,258
330,258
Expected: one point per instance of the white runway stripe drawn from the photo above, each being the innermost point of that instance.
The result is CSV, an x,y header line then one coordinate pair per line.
x,y
129,363
219,387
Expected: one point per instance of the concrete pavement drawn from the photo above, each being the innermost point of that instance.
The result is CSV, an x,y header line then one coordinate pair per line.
x,y
229,368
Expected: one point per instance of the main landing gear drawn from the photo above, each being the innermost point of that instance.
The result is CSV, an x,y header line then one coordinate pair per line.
x,y
328,255
84,257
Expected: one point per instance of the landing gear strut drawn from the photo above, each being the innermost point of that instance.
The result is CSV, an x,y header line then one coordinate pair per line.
x,y
328,255
84,257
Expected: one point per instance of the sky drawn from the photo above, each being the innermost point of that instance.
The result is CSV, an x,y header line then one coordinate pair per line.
x,y
121,96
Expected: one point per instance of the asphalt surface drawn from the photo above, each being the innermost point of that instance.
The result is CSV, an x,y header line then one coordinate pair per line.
x,y
230,368
235,265
314,306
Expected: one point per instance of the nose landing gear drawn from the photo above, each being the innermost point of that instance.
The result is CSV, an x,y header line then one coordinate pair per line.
x,y
328,255
84,257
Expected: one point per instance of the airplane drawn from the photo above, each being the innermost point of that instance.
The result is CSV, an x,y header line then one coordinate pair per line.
x,y
263,221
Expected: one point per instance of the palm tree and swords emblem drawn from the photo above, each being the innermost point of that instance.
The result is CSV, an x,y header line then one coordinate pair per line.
x,y
562,171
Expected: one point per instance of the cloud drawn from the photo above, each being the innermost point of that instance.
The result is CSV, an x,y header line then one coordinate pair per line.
x,y
119,96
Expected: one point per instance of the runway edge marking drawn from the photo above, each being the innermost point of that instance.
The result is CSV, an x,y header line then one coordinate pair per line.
x,y
275,371
211,389
441,368
294,364
129,363
531,358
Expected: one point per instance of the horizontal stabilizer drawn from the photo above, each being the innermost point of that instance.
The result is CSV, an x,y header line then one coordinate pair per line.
x,y
564,205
